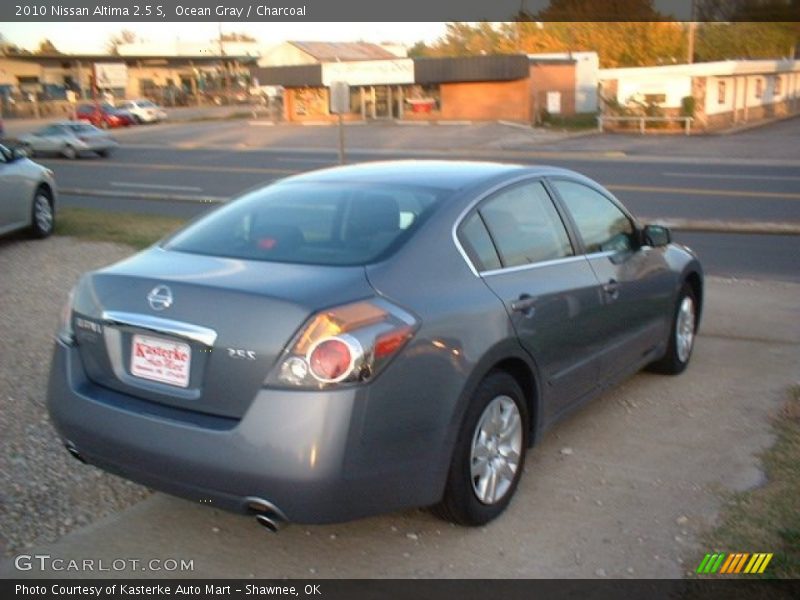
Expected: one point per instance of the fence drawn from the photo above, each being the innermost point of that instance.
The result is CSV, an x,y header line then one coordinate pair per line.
x,y
687,121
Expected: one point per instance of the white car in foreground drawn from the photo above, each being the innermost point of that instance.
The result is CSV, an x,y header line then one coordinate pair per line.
x,y
144,110
28,194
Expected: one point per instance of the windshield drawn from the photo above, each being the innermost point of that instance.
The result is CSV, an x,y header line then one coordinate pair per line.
x,y
146,104
311,223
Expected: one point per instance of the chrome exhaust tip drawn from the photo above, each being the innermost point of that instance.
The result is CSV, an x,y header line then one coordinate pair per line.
x,y
268,523
73,450
267,514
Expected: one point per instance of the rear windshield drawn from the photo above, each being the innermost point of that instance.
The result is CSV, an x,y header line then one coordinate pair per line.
x,y
311,223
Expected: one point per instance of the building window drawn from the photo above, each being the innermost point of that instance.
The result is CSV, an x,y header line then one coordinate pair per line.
x,y
655,99
759,87
778,84
721,92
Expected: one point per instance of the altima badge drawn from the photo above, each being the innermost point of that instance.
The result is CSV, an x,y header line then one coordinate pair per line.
x,y
160,297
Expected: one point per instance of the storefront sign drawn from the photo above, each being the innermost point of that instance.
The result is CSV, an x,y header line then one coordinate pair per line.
x,y
111,75
369,72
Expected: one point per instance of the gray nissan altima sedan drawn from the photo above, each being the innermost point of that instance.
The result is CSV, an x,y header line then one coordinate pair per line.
x,y
368,338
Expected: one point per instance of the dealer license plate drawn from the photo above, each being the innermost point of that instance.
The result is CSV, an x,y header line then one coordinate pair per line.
x,y
161,360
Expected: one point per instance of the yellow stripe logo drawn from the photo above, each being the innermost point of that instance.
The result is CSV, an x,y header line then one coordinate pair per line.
x,y
735,563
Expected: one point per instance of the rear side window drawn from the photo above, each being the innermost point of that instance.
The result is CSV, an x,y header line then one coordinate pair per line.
x,y
81,128
311,223
602,225
525,226
478,244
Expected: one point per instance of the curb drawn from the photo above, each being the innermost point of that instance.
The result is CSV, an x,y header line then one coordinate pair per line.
x,y
715,226
153,197
692,225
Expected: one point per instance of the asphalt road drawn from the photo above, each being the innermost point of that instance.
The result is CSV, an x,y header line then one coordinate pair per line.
x,y
222,159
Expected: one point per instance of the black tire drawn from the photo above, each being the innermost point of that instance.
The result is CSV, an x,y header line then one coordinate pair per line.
x,y
104,153
69,152
42,214
460,503
675,360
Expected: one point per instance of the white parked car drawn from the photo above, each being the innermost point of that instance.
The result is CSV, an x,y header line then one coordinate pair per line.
x,y
68,138
28,194
144,110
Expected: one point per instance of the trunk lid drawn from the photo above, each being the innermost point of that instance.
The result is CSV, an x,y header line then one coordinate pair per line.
x,y
199,332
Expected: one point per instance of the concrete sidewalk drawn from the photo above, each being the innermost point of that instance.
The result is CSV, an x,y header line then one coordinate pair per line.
x,y
624,488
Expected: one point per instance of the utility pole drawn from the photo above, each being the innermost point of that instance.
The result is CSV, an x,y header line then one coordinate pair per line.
x,y
222,54
692,31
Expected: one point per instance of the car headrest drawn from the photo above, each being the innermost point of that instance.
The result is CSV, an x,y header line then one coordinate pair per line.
x,y
373,213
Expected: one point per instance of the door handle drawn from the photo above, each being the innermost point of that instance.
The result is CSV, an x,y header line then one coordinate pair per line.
x,y
524,304
611,289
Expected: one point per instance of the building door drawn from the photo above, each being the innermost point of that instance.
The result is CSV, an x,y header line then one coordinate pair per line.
x,y
382,102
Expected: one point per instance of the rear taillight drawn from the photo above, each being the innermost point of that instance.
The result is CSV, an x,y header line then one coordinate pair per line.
x,y
343,345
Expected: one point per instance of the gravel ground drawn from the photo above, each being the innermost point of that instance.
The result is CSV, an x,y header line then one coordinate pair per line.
x,y
44,493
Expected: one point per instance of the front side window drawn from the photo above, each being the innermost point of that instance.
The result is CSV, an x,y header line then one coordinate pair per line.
x,y
525,226
311,223
602,225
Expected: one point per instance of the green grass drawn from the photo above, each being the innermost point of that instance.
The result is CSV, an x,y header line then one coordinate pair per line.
x,y
767,518
138,231
579,122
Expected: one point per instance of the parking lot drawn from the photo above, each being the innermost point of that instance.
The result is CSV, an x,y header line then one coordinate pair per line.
x,y
624,488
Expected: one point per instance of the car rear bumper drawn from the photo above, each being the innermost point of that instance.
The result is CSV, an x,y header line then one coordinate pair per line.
x,y
304,452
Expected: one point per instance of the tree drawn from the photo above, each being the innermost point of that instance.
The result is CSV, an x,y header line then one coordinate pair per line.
x,y
591,10
9,49
47,47
236,37
745,40
418,50
125,36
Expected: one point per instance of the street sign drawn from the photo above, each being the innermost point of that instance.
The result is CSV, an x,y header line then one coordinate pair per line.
x,y
340,97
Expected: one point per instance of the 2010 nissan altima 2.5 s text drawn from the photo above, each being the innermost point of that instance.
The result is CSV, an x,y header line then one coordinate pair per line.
x,y
368,338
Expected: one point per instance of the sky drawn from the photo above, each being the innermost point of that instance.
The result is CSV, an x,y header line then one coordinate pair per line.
x,y
93,36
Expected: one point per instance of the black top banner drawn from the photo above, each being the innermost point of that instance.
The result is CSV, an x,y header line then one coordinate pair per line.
x,y
407,10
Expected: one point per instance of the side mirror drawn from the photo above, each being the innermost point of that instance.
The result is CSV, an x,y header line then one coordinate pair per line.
x,y
656,235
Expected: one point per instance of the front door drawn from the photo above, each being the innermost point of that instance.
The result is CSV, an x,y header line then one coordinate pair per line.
x,y
634,282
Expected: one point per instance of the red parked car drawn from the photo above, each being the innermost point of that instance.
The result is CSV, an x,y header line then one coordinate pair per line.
x,y
104,115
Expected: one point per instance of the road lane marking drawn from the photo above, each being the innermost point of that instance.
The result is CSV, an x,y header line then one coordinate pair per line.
x,y
166,167
734,176
703,192
156,186
327,161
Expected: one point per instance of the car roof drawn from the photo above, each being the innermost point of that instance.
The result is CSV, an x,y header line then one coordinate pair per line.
x,y
439,174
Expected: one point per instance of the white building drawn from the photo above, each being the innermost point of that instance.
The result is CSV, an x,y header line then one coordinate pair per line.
x,y
724,92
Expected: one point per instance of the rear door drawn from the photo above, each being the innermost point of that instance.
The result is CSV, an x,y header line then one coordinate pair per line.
x,y
50,139
634,282
522,250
